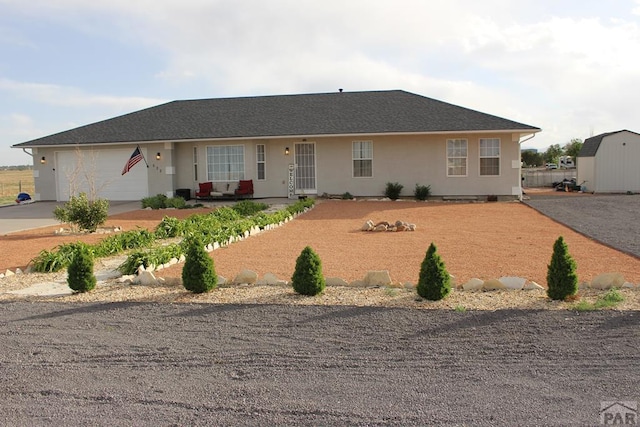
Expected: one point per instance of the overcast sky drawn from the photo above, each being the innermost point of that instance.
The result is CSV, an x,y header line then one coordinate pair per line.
x,y
570,67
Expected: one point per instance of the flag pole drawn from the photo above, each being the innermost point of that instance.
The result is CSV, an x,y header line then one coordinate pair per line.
x,y
143,158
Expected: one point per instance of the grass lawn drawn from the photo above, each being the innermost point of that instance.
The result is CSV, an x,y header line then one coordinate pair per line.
x,y
13,182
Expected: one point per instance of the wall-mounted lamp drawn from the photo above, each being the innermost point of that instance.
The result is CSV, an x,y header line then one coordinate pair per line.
x,y
43,160
286,151
158,157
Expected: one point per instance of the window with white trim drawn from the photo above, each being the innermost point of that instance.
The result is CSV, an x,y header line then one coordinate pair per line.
x,y
489,156
225,163
195,164
261,162
456,157
362,159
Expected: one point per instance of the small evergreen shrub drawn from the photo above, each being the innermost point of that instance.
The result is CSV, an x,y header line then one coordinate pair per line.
x,y
80,271
198,273
347,196
422,192
86,214
434,282
307,277
562,280
393,190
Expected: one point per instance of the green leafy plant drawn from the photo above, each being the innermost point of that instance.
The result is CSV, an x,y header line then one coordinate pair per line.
x,y
80,272
347,196
562,280
434,282
86,214
611,299
249,207
307,277
175,203
422,192
154,202
460,308
198,273
393,190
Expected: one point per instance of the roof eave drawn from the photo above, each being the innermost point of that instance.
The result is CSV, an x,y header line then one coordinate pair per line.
x,y
296,136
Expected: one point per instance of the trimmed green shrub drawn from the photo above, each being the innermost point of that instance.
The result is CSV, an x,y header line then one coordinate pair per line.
x,y
393,190
85,214
434,283
80,272
175,202
307,278
562,280
154,202
422,192
249,207
198,274
347,196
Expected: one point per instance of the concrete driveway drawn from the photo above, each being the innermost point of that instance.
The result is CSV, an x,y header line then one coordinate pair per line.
x,y
40,214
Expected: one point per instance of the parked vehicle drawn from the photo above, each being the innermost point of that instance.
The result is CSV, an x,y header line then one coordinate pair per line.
x,y
566,162
551,166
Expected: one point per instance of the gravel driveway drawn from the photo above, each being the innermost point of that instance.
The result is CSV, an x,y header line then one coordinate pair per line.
x,y
610,219
122,364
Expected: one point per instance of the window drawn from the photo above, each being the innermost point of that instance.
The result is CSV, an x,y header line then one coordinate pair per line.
x,y
225,163
489,156
362,155
261,162
456,157
195,164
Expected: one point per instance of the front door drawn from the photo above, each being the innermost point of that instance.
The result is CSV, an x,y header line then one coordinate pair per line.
x,y
305,158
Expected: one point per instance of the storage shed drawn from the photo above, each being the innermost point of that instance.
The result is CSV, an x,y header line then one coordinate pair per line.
x,y
610,162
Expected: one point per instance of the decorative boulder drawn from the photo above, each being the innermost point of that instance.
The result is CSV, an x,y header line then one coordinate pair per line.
x,y
246,276
367,226
473,284
380,227
607,281
513,283
377,278
145,278
533,286
493,285
335,281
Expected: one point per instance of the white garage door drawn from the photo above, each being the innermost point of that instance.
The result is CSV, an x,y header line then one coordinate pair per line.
x,y
100,172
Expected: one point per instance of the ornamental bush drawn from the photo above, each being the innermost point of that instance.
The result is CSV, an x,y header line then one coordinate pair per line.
x,y
80,271
562,280
393,190
307,278
434,282
82,212
422,192
198,273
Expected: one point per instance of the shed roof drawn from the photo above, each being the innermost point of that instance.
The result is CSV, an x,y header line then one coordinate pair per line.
x,y
338,113
591,145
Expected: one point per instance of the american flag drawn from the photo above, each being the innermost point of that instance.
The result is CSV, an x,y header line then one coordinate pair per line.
x,y
133,160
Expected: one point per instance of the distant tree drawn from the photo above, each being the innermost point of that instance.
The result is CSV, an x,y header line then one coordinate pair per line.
x,y
572,148
532,158
553,153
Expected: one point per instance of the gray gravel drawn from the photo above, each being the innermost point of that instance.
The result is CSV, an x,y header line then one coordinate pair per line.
x,y
610,219
122,364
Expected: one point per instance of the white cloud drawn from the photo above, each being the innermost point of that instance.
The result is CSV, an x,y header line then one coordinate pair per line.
x,y
64,96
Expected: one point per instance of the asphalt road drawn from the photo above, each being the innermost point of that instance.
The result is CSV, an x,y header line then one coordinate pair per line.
x,y
122,364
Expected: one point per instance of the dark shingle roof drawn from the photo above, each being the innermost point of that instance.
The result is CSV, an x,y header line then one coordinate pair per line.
x,y
591,145
336,113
